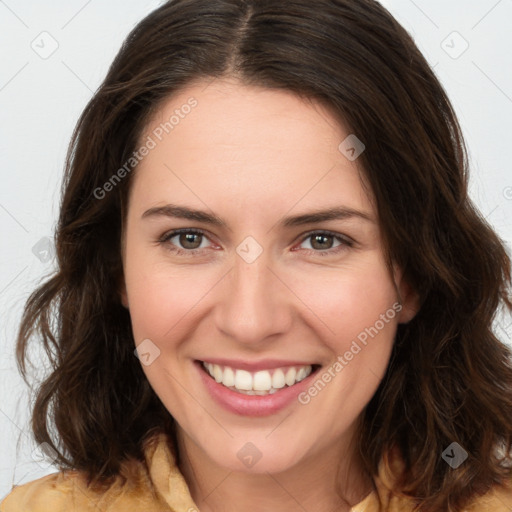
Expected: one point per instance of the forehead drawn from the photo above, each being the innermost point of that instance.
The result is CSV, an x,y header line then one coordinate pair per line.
x,y
223,142
228,112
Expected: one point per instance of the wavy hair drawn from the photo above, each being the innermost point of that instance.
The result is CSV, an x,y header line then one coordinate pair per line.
x,y
449,378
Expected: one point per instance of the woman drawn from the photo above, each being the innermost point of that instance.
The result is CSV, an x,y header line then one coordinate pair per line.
x,y
273,289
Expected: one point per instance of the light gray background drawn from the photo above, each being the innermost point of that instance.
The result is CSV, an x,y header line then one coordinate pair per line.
x,y
42,96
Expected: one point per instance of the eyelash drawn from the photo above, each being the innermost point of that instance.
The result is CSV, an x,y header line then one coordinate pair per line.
x,y
165,240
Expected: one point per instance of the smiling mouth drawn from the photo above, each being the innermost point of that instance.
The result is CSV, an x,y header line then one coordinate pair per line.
x,y
263,382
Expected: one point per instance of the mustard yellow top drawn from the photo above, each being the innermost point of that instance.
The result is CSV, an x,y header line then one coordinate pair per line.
x,y
159,486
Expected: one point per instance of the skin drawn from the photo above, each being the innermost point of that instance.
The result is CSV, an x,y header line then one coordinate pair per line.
x,y
253,156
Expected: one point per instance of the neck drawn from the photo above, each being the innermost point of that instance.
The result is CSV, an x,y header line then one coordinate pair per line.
x,y
323,482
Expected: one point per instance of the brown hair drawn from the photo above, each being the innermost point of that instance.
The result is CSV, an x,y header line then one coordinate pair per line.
x,y
449,378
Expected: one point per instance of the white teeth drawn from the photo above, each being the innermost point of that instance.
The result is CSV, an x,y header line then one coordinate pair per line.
x,y
217,372
301,375
278,379
243,380
290,376
229,377
263,382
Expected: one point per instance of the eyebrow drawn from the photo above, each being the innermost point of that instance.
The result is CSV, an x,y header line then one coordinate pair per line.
x,y
316,216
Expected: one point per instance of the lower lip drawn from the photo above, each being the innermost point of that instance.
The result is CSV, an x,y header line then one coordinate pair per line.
x,y
252,405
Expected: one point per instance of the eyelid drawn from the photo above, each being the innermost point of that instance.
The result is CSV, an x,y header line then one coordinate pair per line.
x,y
174,232
345,241
340,236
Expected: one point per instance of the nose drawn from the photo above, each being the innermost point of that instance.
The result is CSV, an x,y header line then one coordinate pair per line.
x,y
256,305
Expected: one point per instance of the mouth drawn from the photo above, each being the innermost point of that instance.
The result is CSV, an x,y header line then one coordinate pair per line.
x,y
258,383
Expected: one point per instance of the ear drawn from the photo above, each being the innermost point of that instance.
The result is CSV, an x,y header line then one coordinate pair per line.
x,y
409,297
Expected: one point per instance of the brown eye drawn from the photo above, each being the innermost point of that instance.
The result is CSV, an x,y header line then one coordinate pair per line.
x,y
322,242
190,240
184,241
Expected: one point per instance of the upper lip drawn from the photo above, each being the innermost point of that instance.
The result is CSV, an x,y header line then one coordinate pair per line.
x,y
254,366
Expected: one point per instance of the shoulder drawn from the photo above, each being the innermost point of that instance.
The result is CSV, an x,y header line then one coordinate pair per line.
x,y
51,492
68,491
152,484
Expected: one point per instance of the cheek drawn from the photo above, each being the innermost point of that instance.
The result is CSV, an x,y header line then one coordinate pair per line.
x,y
153,302
347,300
161,301
359,307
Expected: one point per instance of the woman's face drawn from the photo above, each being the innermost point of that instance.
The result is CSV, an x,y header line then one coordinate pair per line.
x,y
260,285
